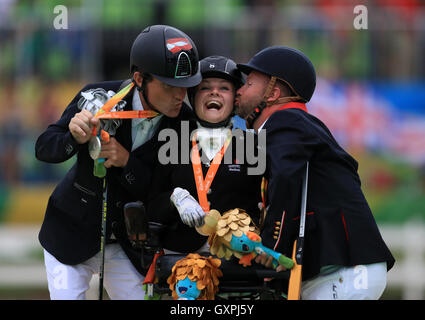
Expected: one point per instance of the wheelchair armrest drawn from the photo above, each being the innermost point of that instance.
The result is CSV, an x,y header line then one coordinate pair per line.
x,y
232,270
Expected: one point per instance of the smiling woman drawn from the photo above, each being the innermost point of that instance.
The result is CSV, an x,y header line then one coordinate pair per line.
x,y
214,100
217,176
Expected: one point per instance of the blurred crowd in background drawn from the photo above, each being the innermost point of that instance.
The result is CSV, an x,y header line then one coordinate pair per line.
x,y
370,91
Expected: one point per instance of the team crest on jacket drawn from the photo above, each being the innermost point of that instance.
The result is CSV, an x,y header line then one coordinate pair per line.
x,y
235,167
178,44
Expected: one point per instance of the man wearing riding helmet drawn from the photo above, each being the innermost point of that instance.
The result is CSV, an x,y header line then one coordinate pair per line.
x,y
164,62
231,187
345,256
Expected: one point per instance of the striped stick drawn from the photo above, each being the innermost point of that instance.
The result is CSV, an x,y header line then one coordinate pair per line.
x,y
295,279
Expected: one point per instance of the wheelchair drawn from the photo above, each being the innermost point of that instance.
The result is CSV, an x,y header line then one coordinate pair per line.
x,y
254,282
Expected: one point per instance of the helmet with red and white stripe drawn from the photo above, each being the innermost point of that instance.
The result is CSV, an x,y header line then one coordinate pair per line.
x,y
168,54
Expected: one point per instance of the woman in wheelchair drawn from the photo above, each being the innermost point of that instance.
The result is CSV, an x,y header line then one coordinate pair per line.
x,y
182,193
216,177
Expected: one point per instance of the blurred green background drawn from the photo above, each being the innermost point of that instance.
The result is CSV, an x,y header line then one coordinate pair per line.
x,y
370,92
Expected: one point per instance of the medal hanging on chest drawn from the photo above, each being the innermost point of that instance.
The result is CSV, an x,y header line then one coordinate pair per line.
x,y
95,147
203,185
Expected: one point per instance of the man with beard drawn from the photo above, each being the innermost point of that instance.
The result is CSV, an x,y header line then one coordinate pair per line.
x,y
345,256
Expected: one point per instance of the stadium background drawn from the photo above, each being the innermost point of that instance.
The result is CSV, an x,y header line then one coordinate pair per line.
x,y
370,92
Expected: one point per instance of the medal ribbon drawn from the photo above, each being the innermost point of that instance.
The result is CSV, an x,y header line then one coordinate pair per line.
x,y
128,114
106,113
203,185
294,105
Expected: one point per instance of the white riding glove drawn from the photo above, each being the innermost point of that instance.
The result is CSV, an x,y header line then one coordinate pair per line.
x,y
189,209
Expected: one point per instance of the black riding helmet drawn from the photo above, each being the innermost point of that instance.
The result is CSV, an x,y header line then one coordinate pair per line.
x,y
168,54
286,64
217,67
221,67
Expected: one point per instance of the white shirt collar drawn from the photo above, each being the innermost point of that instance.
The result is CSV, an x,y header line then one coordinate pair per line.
x,y
211,140
137,103
140,131
261,127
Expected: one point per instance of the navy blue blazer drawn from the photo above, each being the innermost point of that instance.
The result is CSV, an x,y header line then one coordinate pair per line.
x,y
340,228
71,228
231,188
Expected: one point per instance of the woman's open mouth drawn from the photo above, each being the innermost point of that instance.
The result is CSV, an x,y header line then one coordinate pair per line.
x,y
214,104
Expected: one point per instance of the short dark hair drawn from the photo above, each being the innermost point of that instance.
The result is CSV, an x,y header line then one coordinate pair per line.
x,y
147,77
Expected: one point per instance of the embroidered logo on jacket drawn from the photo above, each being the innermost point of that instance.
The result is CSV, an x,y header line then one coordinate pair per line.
x,y
235,167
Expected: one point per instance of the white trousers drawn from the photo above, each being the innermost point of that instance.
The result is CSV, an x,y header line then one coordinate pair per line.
x,y
361,282
70,282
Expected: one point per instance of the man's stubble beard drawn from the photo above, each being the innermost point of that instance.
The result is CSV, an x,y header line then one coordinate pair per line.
x,y
243,110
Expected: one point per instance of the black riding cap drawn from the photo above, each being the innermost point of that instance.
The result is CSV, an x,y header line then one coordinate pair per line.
x,y
221,67
168,54
287,64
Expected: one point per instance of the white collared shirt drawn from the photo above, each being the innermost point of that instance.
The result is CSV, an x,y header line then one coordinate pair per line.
x,y
142,129
211,140
261,127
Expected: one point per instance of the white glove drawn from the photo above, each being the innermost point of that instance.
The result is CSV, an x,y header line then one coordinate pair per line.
x,y
189,209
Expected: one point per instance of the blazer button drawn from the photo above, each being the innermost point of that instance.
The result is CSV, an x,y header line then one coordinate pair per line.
x,y
277,223
209,191
275,237
69,149
130,178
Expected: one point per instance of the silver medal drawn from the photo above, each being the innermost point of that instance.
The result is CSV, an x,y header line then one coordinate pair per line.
x,y
94,147
93,100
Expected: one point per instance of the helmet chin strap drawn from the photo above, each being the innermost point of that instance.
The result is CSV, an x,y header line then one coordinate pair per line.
x,y
255,114
142,89
263,104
